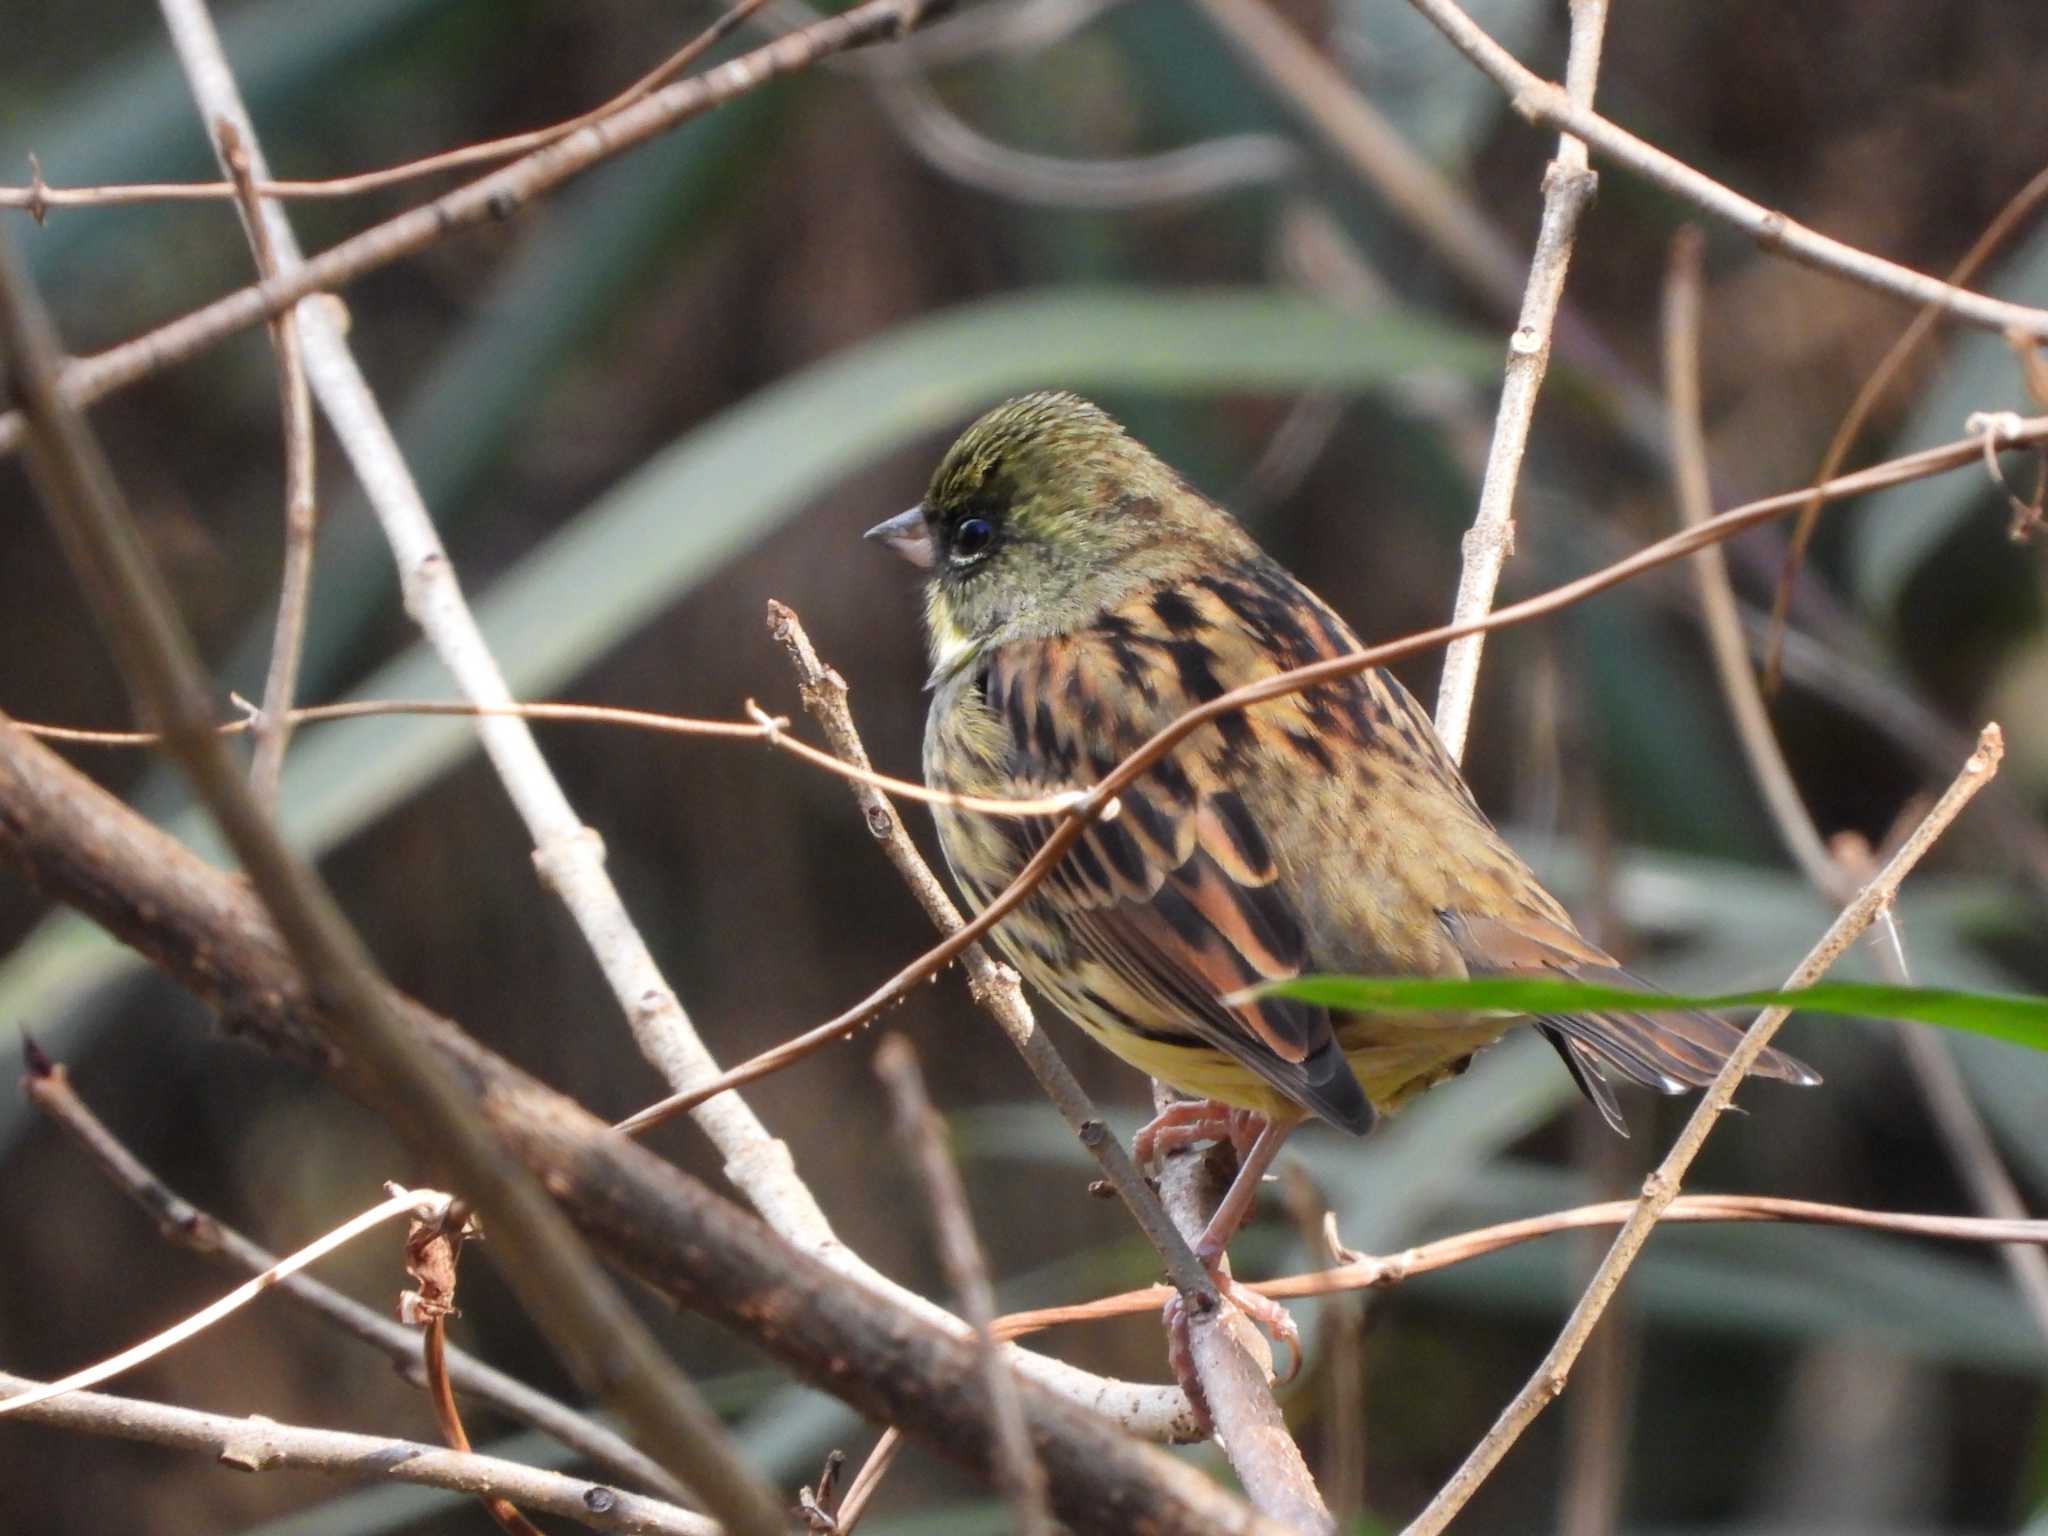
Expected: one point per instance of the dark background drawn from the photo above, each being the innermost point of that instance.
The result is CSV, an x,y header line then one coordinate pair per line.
x,y
764,328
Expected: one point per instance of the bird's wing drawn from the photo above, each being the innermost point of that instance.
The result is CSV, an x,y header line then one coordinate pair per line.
x,y
1179,895
1670,1052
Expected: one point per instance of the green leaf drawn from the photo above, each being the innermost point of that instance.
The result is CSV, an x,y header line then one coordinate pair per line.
x,y
2019,1020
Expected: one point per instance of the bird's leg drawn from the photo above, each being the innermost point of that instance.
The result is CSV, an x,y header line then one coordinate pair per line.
x,y
1258,1139
1244,1189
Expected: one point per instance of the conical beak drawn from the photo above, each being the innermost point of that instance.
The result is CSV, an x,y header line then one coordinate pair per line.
x,y
909,535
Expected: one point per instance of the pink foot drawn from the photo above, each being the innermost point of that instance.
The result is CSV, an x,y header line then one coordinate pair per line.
x,y
1189,1122
1262,1310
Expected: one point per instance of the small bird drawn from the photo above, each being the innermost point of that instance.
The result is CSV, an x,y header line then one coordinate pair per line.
x,y
1081,595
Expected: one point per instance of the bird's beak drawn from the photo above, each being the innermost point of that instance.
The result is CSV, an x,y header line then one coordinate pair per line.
x,y
909,535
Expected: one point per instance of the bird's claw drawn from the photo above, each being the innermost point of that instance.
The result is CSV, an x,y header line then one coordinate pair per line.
x,y
1190,1122
1262,1311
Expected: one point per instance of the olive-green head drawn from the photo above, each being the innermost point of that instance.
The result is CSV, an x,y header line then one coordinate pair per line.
x,y
1043,515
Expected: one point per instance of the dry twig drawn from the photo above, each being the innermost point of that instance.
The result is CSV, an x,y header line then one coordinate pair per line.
x,y
295,587
1018,1472
602,1340
487,200
1568,188
1233,1367
1543,102
994,986
2009,218
1661,1188
263,1445
48,1087
1956,1119
895,1362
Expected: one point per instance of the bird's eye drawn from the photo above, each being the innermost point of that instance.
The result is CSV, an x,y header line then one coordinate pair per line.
x,y
972,538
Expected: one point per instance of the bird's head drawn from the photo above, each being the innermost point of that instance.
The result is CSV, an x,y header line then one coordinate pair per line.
x,y
1043,515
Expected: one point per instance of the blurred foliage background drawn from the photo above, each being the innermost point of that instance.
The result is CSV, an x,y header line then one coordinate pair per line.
x,y
686,383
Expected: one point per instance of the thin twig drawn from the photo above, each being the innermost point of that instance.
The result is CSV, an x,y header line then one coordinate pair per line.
x,y
1661,1187
1543,102
1956,1119
48,1087
396,1204
1693,489
763,727
489,199
1664,551
1232,1364
1426,200
994,986
894,1363
569,854
1568,188
861,1491
2009,218
1192,173
272,728
605,1343
1362,1272
1019,1475
263,1445
39,196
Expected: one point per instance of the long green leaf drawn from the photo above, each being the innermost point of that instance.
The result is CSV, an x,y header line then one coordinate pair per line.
x,y
2019,1020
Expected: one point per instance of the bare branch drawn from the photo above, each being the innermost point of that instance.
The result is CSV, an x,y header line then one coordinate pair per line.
x,y
898,1364
1543,102
1568,188
1661,1188
1956,1119
600,1338
263,1445
487,200
397,1204
1693,486
1233,1366
48,1087
1362,1272
1018,1472
272,726
2015,213
993,985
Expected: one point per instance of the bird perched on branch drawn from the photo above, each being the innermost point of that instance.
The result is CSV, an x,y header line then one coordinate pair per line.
x,y
1081,596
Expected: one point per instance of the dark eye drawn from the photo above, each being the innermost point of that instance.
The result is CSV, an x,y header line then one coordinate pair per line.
x,y
972,538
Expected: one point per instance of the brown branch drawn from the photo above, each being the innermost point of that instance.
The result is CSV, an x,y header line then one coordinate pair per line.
x,y
48,1087
263,1445
489,199
762,727
1018,1473
1363,1272
994,986
272,726
1956,1120
39,196
1232,1365
2009,218
204,928
1691,484
1663,552
1661,1187
602,1341
1543,102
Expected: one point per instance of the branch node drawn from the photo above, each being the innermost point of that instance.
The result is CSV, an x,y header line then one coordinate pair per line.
x,y
38,204
253,1448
